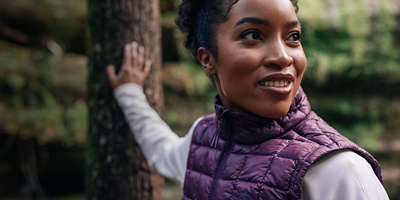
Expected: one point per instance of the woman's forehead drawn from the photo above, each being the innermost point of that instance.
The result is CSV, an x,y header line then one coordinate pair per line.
x,y
264,9
271,4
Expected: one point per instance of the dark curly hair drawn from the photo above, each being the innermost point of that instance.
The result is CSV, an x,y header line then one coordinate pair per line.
x,y
197,19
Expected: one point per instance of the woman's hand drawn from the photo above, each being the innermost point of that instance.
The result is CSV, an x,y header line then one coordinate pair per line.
x,y
134,69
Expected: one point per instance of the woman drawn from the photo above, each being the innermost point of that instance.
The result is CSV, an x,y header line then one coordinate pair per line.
x,y
263,141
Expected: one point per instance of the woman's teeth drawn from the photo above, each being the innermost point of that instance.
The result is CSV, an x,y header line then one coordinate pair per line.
x,y
280,83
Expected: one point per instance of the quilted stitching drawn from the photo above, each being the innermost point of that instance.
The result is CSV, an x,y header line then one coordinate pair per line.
x,y
269,158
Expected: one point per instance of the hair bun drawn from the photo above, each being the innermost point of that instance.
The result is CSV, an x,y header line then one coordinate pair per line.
x,y
186,20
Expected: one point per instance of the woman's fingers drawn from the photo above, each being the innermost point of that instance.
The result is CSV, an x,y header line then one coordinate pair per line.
x,y
134,54
135,67
138,57
141,58
127,60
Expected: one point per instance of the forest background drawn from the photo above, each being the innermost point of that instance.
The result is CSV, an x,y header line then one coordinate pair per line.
x,y
352,80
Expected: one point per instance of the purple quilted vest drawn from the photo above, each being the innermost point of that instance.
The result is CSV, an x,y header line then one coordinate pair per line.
x,y
243,156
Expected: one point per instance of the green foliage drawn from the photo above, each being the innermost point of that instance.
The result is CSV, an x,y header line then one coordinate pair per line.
x,y
353,36
32,104
359,119
189,94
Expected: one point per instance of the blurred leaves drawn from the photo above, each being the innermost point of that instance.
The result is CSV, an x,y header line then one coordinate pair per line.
x,y
354,35
42,96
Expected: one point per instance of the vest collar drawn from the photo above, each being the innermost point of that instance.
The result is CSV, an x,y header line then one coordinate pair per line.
x,y
248,128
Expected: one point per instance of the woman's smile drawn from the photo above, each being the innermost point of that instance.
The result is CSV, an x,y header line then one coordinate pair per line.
x,y
279,83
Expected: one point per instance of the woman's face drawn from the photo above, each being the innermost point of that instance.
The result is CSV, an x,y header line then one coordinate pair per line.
x,y
260,58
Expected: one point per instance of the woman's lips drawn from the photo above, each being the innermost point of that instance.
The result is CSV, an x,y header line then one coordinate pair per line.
x,y
277,83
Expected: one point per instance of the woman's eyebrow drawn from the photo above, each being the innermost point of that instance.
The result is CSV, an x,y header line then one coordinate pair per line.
x,y
293,24
253,20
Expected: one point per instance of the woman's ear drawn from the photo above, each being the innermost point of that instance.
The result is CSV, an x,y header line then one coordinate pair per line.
x,y
207,61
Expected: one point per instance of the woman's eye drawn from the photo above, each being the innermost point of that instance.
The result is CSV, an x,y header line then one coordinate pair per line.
x,y
251,35
295,37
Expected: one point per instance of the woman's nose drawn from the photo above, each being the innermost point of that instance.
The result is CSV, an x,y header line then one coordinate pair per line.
x,y
277,55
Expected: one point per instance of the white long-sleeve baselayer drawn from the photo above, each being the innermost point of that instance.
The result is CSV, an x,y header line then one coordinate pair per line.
x,y
342,175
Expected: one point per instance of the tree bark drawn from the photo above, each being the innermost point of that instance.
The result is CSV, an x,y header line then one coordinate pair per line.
x,y
115,166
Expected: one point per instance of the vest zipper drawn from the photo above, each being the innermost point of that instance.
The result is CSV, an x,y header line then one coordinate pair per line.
x,y
221,166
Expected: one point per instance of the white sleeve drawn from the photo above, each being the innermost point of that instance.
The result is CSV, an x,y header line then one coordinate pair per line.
x,y
163,149
342,175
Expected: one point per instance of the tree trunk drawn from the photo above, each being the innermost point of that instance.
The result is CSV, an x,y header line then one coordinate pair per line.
x,y
115,166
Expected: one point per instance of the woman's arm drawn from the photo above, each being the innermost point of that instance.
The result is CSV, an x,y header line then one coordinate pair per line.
x,y
342,175
160,145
